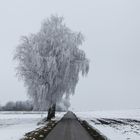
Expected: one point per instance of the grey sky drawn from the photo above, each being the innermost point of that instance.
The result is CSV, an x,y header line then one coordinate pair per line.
x,y
112,32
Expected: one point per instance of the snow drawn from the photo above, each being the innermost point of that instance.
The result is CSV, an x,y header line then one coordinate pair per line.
x,y
13,125
117,125
131,113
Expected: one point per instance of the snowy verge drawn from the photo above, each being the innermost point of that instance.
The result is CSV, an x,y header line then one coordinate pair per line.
x,y
13,125
116,125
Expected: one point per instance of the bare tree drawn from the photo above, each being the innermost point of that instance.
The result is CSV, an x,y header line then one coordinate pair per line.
x,y
50,62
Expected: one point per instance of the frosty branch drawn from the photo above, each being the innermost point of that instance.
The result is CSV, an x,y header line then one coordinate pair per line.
x,y
50,62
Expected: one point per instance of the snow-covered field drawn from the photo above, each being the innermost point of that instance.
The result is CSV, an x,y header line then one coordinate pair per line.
x,y
116,125
13,125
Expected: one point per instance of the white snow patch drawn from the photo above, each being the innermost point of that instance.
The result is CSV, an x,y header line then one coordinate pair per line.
x,y
130,130
13,125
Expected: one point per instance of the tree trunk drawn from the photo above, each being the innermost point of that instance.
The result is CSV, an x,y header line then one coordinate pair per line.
x,y
51,112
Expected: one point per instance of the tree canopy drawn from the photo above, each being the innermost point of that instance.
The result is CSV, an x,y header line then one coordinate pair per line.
x,y
50,61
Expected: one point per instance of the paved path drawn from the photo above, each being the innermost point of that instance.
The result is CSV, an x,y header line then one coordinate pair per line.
x,y
68,128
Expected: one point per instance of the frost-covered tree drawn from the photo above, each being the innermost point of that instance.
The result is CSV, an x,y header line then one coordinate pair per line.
x,y
0,107
50,62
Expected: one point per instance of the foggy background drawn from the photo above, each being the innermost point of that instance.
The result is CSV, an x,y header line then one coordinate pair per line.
x,y
112,43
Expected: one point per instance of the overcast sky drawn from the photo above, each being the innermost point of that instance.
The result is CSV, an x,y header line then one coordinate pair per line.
x,y
112,43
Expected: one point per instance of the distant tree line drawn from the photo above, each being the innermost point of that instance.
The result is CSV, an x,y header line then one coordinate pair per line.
x,y
28,106
17,106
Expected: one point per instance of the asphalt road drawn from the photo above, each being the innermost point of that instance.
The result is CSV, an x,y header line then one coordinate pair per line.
x,y
68,128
